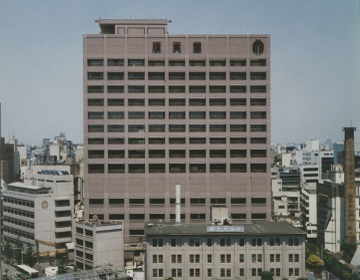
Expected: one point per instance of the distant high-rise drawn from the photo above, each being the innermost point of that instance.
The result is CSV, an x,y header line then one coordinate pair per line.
x,y
163,109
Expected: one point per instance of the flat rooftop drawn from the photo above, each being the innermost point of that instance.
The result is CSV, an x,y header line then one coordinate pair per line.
x,y
107,26
258,228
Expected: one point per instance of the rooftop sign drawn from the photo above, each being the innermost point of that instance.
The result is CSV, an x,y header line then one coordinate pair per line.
x,y
225,229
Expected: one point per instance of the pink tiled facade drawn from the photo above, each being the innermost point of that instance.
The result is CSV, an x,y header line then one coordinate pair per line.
x,y
163,109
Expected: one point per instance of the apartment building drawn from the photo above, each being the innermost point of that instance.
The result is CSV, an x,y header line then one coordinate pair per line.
x,y
224,252
163,109
39,209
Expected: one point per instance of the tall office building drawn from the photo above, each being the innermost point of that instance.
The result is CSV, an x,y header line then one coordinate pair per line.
x,y
162,109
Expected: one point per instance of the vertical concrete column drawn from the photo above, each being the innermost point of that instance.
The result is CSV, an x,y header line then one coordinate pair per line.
x,y
349,170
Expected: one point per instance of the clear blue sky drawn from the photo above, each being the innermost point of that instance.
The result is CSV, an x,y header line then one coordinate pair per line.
x,y
315,59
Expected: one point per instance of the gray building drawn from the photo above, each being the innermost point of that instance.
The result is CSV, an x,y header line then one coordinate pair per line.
x,y
40,209
99,244
161,109
211,252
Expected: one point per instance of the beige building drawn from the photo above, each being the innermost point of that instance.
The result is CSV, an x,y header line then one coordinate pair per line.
x,y
162,109
224,252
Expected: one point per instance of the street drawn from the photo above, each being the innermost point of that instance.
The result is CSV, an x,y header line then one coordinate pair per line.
x,y
12,271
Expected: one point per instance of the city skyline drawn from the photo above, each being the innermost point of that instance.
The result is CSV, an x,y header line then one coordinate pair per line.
x,y
314,60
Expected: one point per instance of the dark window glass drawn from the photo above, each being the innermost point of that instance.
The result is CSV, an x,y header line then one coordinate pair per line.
x,y
258,127
176,153
257,76
238,115
96,168
156,115
156,63
197,216
115,153
217,153
237,75
137,168
197,89
116,201
258,200
136,216
95,62
258,62
237,127
115,128
156,76
176,76
115,115
95,102
217,89
156,102
116,168
136,62
238,153
237,89
115,62
156,47
95,89
217,62
95,128
115,89
177,89
95,115
156,153
197,76
136,89
173,201
197,140
258,140
217,168
197,127
197,63
258,102
156,128
197,153
115,102
176,102
136,153
238,140
257,88
241,200
237,101
258,168
95,153
157,168
95,75
115,75
197,47
157,201
217,102
258,153
258,216
174,140
238,167
217,140
136,102
96,201
157,216
156,140
136,232
136,115
136,76
176,115
197,115
116,216
217,127
239,62
176,63
176,47
197,102
114,141
197,168
217,75
134,201
177,168
95,141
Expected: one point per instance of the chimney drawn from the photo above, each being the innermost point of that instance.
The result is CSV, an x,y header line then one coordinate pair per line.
x,y
349,170
178,206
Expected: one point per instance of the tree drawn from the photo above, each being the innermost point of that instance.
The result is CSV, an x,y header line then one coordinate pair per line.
x,y
29,256
19,247
8,250
301,278
169,278
62,269
267,275
75,268
315,262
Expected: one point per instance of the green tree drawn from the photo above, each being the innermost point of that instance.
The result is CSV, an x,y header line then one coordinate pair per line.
x,y
29,256
267,275
75,268
285,278
315,262
8,250
19,247
301,278
62,269
169,278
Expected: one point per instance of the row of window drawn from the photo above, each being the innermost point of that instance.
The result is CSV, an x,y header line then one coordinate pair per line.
x,y
176,128
19,233
176,89
161,201
196,63
179,115
88,233
178,102
176,153
177,140
18,222
17,201
227,242
176,168
18,212
177,76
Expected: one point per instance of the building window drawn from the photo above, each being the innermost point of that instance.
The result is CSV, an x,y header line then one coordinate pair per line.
x,y
115,75
197,216
222,272
176,63
191,272
217,127
156,47
176,47
253,258
179,272
237,89
291,271
209,272
156,128
115,62
115,128
228,272
95,89
296,257
259,271
277,272
176,153
177,128
277,257
116,102
136,62
237,75
95,75
237,127
241,258
197,127
95,62
253,272
291,257
238,167
272,258
222,258
154,258
241,272
136,76
218,168
156,63
209,258
96,168
197,47
197,168
296,272
258,102
209,242
217,102
228,258
258,168
218,200
237,153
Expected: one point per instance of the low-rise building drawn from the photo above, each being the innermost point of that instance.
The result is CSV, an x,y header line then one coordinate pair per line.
x,y
99,243
211,252
40,209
